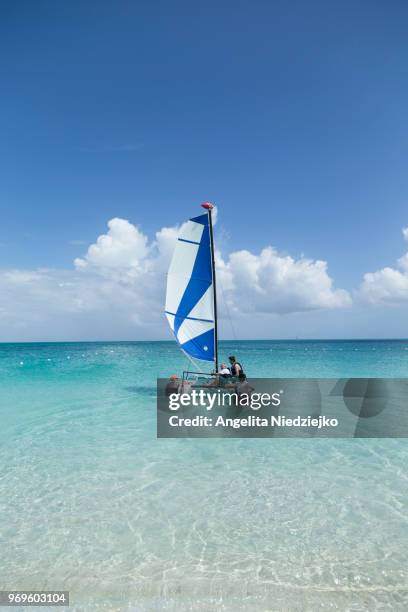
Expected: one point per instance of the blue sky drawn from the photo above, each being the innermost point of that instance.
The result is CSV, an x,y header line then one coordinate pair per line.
x,y
292,116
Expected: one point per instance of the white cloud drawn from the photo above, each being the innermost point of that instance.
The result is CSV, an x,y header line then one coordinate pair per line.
x,y
123,249
275,283
388,285
116,290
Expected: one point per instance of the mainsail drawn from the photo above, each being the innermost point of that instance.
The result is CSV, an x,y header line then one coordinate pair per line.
x,y
190,305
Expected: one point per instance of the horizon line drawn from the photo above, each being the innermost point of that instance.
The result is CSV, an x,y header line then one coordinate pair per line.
x,y
357,339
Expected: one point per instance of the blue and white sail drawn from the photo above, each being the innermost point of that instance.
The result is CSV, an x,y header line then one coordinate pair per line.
x,y
190,290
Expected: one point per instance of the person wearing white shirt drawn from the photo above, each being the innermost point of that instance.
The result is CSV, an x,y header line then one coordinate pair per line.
x,y
224,371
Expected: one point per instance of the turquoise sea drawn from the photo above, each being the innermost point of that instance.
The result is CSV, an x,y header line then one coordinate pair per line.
x,y
93,503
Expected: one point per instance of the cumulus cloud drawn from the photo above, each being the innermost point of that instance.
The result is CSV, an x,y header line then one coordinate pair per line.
x,y
388,285
267,282
123,249
116,289
275,283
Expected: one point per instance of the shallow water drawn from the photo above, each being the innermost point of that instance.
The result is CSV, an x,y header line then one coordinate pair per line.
x,y
92,502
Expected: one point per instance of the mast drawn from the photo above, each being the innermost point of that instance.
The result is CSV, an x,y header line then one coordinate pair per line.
x,y
209,207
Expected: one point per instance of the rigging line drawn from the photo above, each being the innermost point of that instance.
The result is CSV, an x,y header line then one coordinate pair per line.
x,y
191,359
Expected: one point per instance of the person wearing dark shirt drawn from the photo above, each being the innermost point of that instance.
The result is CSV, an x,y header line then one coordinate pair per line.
x,y
236,368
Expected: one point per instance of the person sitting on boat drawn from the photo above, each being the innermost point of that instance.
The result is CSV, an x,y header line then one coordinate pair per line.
x,y
236,368
173,385
224,371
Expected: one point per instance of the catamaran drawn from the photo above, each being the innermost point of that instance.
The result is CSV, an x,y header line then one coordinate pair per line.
x,y
191,299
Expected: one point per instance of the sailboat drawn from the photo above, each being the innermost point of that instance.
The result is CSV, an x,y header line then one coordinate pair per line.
x,y
191,299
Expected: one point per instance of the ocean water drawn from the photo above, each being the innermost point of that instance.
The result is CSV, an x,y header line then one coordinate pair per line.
x,y
93,503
